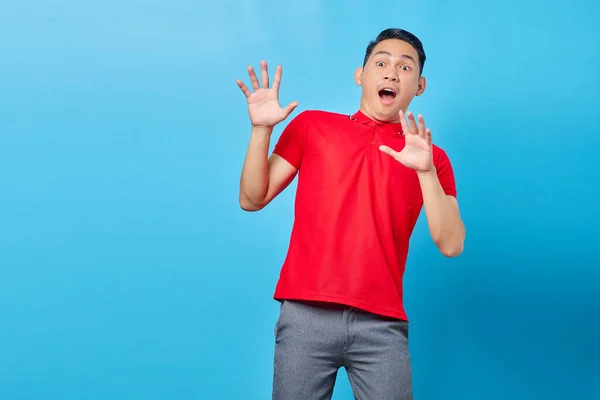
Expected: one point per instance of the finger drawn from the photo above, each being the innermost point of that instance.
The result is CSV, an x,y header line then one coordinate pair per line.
x,y
253,78
404,123
387,150
428,136
265,74
277,79
422,129
289,108
242,86
413,124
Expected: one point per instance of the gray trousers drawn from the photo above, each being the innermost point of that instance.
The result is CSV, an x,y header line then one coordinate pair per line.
x,y
313,341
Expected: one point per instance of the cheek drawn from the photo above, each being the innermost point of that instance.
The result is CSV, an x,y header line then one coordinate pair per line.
x,y
371,80
368,87
410,87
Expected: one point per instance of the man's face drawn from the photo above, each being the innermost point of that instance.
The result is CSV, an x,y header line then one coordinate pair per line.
x,y
389,80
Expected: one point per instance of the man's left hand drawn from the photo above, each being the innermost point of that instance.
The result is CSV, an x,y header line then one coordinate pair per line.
x,y
417,152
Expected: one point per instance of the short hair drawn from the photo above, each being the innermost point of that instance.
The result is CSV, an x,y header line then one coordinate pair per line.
x,y
400,34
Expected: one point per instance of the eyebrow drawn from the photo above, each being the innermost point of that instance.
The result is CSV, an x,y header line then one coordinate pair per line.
x,y
387,53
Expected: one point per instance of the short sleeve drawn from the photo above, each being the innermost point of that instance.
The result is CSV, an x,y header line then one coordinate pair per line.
x,y
290,145
445,173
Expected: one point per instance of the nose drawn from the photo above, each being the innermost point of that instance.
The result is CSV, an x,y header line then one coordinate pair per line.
x,y
391,76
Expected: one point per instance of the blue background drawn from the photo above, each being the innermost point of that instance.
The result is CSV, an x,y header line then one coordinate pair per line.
x,y
128,270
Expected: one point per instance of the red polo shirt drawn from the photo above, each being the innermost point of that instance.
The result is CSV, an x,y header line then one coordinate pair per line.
x,y
355,210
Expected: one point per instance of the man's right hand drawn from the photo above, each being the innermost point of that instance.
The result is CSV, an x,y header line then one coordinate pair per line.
x,y
263,105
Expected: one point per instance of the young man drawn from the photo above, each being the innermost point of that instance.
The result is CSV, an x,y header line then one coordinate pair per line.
x,y
363,179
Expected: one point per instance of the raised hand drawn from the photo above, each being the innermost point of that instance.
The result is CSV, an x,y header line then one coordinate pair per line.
x,y
417,152
263,105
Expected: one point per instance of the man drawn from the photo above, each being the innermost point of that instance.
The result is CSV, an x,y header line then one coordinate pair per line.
x,y
362,181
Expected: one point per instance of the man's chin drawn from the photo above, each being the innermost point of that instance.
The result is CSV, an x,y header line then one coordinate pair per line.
x,y
382,113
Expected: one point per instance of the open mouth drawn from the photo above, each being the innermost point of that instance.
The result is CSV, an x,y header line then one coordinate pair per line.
x,y
387,95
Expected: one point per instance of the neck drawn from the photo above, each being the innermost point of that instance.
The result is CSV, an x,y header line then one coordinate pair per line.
x,y
365,109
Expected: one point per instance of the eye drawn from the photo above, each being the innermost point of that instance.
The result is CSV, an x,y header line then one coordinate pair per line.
x,y
405,68
380,63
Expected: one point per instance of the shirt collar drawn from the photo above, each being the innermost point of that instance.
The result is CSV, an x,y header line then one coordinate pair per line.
x,y
361,118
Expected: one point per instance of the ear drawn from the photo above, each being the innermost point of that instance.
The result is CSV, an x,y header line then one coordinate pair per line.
x,y
358,76
422,85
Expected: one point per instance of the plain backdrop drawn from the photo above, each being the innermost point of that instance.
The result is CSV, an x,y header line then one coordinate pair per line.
x,y
129,271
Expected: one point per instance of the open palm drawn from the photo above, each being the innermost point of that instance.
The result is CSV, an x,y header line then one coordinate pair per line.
x,y
417,151
263,104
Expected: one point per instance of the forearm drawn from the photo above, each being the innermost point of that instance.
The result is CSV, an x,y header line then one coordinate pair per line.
x,y
443,217
254,182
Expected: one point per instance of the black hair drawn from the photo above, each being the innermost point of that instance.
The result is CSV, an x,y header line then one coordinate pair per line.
x,y
400,34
